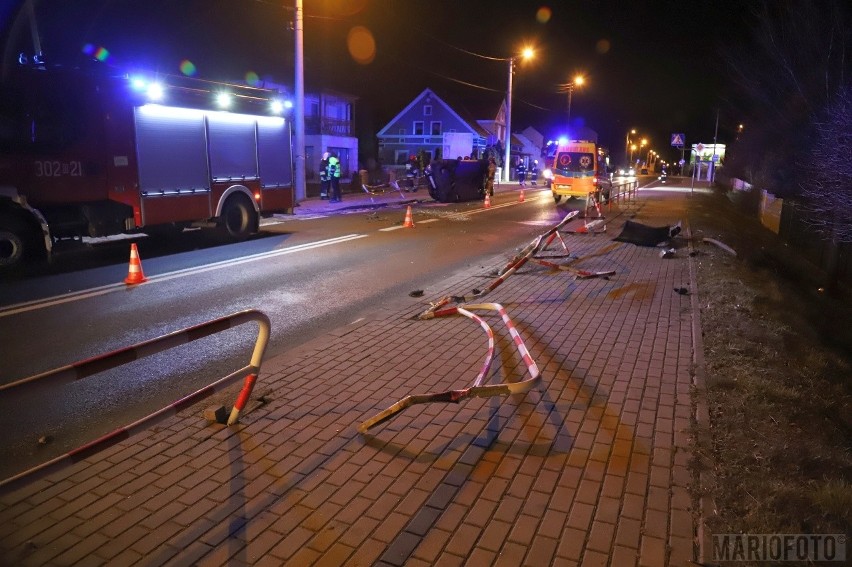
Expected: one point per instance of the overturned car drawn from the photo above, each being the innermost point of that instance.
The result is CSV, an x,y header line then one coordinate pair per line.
x,y
453,180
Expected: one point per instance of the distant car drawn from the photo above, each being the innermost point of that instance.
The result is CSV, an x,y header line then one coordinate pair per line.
x,y
644,171
664,176
629,172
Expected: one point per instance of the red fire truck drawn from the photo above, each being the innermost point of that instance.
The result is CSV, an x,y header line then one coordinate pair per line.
x,y
92,152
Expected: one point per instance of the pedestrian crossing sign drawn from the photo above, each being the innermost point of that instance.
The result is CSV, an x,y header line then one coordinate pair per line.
x,y
677,140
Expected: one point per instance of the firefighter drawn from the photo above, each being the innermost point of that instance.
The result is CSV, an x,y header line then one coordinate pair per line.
x,y
334,178
534,172
325,182
522,172
411,167
489,177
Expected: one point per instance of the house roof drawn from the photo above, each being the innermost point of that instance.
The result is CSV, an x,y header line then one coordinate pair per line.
x,y
462,110
472,126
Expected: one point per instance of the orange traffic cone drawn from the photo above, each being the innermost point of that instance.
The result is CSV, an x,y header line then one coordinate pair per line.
x,y
487,201
409,222
134,273
521,200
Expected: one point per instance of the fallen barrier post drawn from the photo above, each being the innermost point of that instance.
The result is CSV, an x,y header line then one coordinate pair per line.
x,y
477,389
120,357
527,253
517,262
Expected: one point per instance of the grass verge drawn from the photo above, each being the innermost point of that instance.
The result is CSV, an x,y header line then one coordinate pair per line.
x,y
778,356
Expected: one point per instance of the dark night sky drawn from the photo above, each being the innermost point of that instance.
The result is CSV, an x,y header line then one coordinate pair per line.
x,y
654,66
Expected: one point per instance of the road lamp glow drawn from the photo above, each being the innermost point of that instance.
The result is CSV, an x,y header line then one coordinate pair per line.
x,y
578,81
569,88
526,53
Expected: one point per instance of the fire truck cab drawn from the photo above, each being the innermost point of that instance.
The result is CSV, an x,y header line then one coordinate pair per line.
x,y
93,152
576,169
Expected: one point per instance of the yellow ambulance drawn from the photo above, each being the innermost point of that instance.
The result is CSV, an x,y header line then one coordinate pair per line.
x,y
576,169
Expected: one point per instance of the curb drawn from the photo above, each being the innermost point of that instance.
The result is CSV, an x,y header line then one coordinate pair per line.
x,y
704,474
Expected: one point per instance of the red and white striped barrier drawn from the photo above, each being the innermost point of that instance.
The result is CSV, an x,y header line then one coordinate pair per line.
x,y
438,309
528,253
477,389
114,359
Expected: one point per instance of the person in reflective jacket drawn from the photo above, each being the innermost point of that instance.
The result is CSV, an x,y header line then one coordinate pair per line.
x,y
334,178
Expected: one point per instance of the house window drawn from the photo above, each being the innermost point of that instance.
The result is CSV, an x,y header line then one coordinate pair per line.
x,y
427,110
418,127
400,157
435,128
401,132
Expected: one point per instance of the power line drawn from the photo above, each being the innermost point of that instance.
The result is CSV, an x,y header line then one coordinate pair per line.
x,y
461,49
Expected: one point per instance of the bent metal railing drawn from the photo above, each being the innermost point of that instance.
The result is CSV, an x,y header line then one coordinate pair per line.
x,y
438,309
477,389
120,357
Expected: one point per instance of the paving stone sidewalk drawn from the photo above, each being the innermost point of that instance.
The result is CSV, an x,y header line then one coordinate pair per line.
x,y
589,468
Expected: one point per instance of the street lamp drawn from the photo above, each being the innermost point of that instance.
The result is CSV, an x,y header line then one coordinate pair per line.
x,y
569,88
527,53
632,149
627,142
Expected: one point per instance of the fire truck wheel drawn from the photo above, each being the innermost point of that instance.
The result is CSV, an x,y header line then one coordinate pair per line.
x,y
17,242
239,220
557,198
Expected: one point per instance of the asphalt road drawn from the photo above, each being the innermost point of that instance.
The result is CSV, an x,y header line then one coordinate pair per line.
x,y
309,275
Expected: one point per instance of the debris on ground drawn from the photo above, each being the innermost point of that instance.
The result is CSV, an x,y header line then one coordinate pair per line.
x,y
416,293
644,235
724,247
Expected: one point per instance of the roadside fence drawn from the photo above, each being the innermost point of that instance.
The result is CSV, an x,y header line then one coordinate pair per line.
x,y
120,357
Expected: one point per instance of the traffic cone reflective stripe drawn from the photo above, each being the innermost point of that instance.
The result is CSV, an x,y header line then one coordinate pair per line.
x,y
409,222
134,272
487,201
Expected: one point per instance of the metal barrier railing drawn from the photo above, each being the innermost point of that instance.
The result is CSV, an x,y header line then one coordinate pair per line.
x,y
401,186
624,192
120,357
477,389
438,309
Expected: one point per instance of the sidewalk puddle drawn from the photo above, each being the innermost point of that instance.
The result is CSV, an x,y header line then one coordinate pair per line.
x,y
639,290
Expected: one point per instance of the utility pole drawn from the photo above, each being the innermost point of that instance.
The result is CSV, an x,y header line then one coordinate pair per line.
x,y
299,106
713,160
509,119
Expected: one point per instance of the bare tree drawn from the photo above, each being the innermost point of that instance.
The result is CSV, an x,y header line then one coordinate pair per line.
x,y
796,61
827,193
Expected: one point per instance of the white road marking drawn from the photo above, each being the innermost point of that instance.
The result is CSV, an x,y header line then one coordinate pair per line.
x,y
103,290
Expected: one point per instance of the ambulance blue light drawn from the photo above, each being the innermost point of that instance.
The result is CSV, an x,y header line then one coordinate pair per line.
x,y
138,84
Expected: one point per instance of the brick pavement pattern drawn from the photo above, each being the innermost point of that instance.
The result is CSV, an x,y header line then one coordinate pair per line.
x,y
590,468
